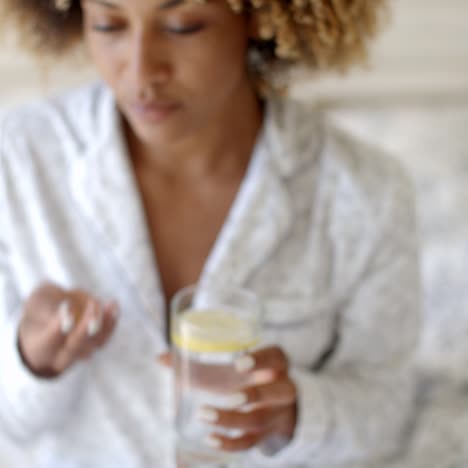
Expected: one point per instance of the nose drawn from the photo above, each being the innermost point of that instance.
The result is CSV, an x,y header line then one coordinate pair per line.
x,y
149,64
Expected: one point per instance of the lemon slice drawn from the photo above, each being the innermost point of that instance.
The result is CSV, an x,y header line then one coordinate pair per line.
x,y
213,331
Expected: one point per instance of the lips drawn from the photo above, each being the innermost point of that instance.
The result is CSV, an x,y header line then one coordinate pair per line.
x,y
155,111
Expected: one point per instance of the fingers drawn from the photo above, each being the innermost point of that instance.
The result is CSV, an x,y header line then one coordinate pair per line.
x,y
59,326
245,442
108,322
54,335
90,333
38,349
255,425
272,358
277,393
165,359
266,408
279,424
257,420
267,401
38,306
76,340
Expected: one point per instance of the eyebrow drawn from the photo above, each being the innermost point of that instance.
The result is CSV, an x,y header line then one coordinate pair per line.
x,y
170,4
104,3
165,6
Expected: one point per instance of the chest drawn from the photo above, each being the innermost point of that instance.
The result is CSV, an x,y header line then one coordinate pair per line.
x,y
184,223
291,268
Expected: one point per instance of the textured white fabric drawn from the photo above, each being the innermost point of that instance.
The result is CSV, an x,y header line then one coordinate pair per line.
x,y
431,140
322,228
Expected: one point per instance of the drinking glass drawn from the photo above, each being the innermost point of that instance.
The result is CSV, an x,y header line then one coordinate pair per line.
x,y
212,325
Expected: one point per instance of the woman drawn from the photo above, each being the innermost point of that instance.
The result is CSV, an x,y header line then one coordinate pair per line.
x,y
176,170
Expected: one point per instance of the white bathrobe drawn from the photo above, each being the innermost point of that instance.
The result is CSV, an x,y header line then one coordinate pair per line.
x,y
322,228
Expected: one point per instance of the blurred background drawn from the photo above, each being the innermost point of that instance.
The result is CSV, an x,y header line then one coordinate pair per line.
x,y
413,102
423,54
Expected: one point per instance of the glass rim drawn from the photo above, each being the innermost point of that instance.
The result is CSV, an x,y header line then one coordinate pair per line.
x,y
191,288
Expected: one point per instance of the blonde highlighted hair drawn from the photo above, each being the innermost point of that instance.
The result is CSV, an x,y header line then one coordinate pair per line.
x,y
320,34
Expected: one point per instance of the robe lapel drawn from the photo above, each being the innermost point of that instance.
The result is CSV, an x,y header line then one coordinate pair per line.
x,y
259,221
105,191
263,213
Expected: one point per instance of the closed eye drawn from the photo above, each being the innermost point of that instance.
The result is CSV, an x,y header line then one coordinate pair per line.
x,y
106,28
185,30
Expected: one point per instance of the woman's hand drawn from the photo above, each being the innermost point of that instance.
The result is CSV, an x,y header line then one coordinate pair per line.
x,y
59,327
266,408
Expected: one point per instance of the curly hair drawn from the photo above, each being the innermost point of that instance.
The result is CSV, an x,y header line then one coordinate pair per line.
x,y
320,34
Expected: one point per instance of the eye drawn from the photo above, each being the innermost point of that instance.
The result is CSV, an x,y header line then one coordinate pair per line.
x,y
185,30
107,28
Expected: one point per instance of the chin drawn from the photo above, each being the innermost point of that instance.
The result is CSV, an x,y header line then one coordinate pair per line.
x,y
164,135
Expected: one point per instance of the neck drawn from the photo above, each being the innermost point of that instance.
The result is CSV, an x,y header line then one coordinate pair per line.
x,y
223,146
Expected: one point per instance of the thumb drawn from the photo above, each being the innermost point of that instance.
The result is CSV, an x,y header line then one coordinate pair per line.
x,y
38,344
165,359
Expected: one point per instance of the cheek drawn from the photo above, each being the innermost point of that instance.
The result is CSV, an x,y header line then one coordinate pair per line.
x,y
105,58
215,64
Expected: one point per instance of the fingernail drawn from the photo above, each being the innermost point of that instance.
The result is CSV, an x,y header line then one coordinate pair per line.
x,y
263,376
67,320
94,325
235,400
207,415
213,442
245,363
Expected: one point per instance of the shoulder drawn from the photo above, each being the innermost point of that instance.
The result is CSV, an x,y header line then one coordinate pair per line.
x,y
364,174
306,144
53,126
